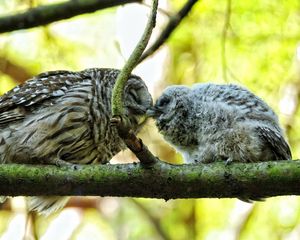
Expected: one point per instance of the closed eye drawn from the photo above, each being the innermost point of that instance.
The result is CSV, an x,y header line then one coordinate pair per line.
x,y
134,96
163,102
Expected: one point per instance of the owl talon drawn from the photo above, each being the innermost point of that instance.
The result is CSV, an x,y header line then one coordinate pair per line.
x,y
75,166
115,120
228,161
61,163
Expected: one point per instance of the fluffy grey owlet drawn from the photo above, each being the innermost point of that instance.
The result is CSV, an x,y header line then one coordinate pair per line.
x,y
62,118
211,122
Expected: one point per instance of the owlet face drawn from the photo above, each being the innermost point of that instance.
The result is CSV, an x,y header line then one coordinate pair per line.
x,y
168,105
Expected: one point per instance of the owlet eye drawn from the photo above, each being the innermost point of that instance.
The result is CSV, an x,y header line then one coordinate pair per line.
x,y
163,102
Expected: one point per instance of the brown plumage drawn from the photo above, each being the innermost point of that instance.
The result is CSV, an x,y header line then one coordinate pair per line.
x,y
63,118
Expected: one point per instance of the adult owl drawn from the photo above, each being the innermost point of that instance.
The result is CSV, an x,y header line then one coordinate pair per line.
x,y
63,118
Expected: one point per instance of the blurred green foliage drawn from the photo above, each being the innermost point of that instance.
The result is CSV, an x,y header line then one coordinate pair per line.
x,y
260,42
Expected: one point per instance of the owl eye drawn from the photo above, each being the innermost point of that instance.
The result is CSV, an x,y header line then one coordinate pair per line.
x,y
134,96
163,102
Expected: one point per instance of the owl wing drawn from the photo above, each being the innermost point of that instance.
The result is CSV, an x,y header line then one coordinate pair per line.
x,y
275,142
232,95
243,98
40,87
13,104
279,147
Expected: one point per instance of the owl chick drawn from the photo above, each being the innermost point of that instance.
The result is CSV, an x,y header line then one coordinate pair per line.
x,y
63,118
211,122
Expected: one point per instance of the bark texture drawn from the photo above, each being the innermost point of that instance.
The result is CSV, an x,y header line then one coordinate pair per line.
x,y
160,180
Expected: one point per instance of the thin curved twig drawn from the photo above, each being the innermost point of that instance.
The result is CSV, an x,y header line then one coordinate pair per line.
x,y
117,95
119,119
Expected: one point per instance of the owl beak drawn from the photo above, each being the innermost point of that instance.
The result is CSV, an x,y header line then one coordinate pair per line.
x,y
136,110
152,112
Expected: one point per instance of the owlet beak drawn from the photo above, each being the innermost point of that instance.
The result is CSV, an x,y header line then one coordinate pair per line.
x,y
152,112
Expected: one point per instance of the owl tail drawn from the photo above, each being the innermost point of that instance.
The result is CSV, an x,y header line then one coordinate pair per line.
x,y
47,205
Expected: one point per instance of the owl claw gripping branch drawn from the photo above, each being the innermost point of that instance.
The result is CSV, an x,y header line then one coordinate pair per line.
x,y
210,122
63,118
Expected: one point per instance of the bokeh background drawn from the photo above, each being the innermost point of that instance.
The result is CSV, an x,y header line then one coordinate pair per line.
x,y
252,43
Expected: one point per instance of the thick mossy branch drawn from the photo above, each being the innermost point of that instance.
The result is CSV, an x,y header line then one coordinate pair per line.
x,y
161,180
117,96
46,14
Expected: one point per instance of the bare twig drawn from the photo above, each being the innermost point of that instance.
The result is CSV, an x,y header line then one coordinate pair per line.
x,y
117,96
119,119
43,15
134,143
173,23
159,10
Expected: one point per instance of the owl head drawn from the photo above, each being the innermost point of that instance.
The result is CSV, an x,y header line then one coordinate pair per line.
x,y
172,103
137,99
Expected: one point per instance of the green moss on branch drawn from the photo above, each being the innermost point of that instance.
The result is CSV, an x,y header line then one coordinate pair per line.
x,y
161,180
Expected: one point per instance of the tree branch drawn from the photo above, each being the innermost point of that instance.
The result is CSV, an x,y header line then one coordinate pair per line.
x,y
117,95
43,15
119,119
161,180
173,23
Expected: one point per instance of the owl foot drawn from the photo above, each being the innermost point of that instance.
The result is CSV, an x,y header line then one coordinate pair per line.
x,y
228,161
61,163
